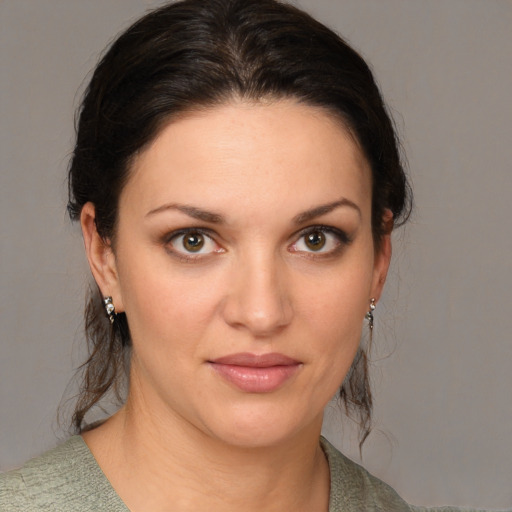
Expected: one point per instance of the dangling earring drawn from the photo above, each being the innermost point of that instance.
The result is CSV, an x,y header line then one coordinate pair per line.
x,y
369,315
110,309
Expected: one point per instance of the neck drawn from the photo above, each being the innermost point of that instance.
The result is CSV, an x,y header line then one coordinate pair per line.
x,y
178,467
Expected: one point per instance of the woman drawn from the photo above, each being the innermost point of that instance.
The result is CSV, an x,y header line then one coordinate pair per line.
x,y
237,178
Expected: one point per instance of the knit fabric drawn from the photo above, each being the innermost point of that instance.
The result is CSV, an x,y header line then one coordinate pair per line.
x,y
69,479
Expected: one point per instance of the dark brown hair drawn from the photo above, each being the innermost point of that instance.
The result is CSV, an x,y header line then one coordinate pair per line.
x,y
197,54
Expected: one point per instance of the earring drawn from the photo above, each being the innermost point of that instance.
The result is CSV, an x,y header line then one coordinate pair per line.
x,y
110,309
369,315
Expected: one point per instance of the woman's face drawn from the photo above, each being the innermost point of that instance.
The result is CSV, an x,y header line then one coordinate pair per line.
x,y
245,263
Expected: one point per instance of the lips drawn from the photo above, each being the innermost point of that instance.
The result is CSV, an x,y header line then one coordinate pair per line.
x,y
253,373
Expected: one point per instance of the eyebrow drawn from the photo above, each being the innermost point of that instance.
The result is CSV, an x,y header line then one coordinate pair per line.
x,y
323,209
191,211
216,218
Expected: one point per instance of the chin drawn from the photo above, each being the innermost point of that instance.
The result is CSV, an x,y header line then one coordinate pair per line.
x,y
264,427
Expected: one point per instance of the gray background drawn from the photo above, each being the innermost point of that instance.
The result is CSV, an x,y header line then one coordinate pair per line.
x,y
443,340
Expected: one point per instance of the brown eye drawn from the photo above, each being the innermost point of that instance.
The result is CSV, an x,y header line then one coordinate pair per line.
x,y
322,240
193,242
315,240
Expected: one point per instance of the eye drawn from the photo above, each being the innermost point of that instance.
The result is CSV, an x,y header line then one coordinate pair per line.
x,y
192,242
320,240
315,241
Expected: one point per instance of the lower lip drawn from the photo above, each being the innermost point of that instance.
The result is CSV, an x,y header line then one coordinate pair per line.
x,y
253,379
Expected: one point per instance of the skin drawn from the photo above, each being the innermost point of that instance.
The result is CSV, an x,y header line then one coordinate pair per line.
x,y
187,439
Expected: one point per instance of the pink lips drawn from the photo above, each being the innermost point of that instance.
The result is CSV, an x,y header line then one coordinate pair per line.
x,y
256,373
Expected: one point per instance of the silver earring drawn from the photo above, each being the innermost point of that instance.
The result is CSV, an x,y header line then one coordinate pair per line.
x,y
110,309
369,315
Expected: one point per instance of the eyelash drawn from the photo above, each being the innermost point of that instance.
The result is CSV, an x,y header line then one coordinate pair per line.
x,y
341,236
343,240
184,256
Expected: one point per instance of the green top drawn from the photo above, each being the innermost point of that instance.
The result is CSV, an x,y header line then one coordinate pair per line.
x,y
69,479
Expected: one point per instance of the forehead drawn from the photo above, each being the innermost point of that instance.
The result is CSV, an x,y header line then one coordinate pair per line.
x,y
266,155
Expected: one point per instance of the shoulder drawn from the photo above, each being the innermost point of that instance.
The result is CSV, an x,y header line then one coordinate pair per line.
x,y
66,478
353,488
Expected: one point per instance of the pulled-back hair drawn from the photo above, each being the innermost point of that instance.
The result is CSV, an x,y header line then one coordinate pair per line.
x,y
195,54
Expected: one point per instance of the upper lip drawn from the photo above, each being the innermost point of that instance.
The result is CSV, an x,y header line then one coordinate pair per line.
x,y
256,360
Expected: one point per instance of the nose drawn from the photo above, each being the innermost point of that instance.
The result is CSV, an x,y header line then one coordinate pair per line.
x,y
258,298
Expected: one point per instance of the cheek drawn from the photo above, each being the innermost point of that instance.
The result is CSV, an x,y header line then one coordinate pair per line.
x,y
336,327
339,301
161,304
337,340
334,317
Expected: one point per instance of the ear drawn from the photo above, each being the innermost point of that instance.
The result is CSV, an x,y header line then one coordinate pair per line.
x,y
101,257
382,257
